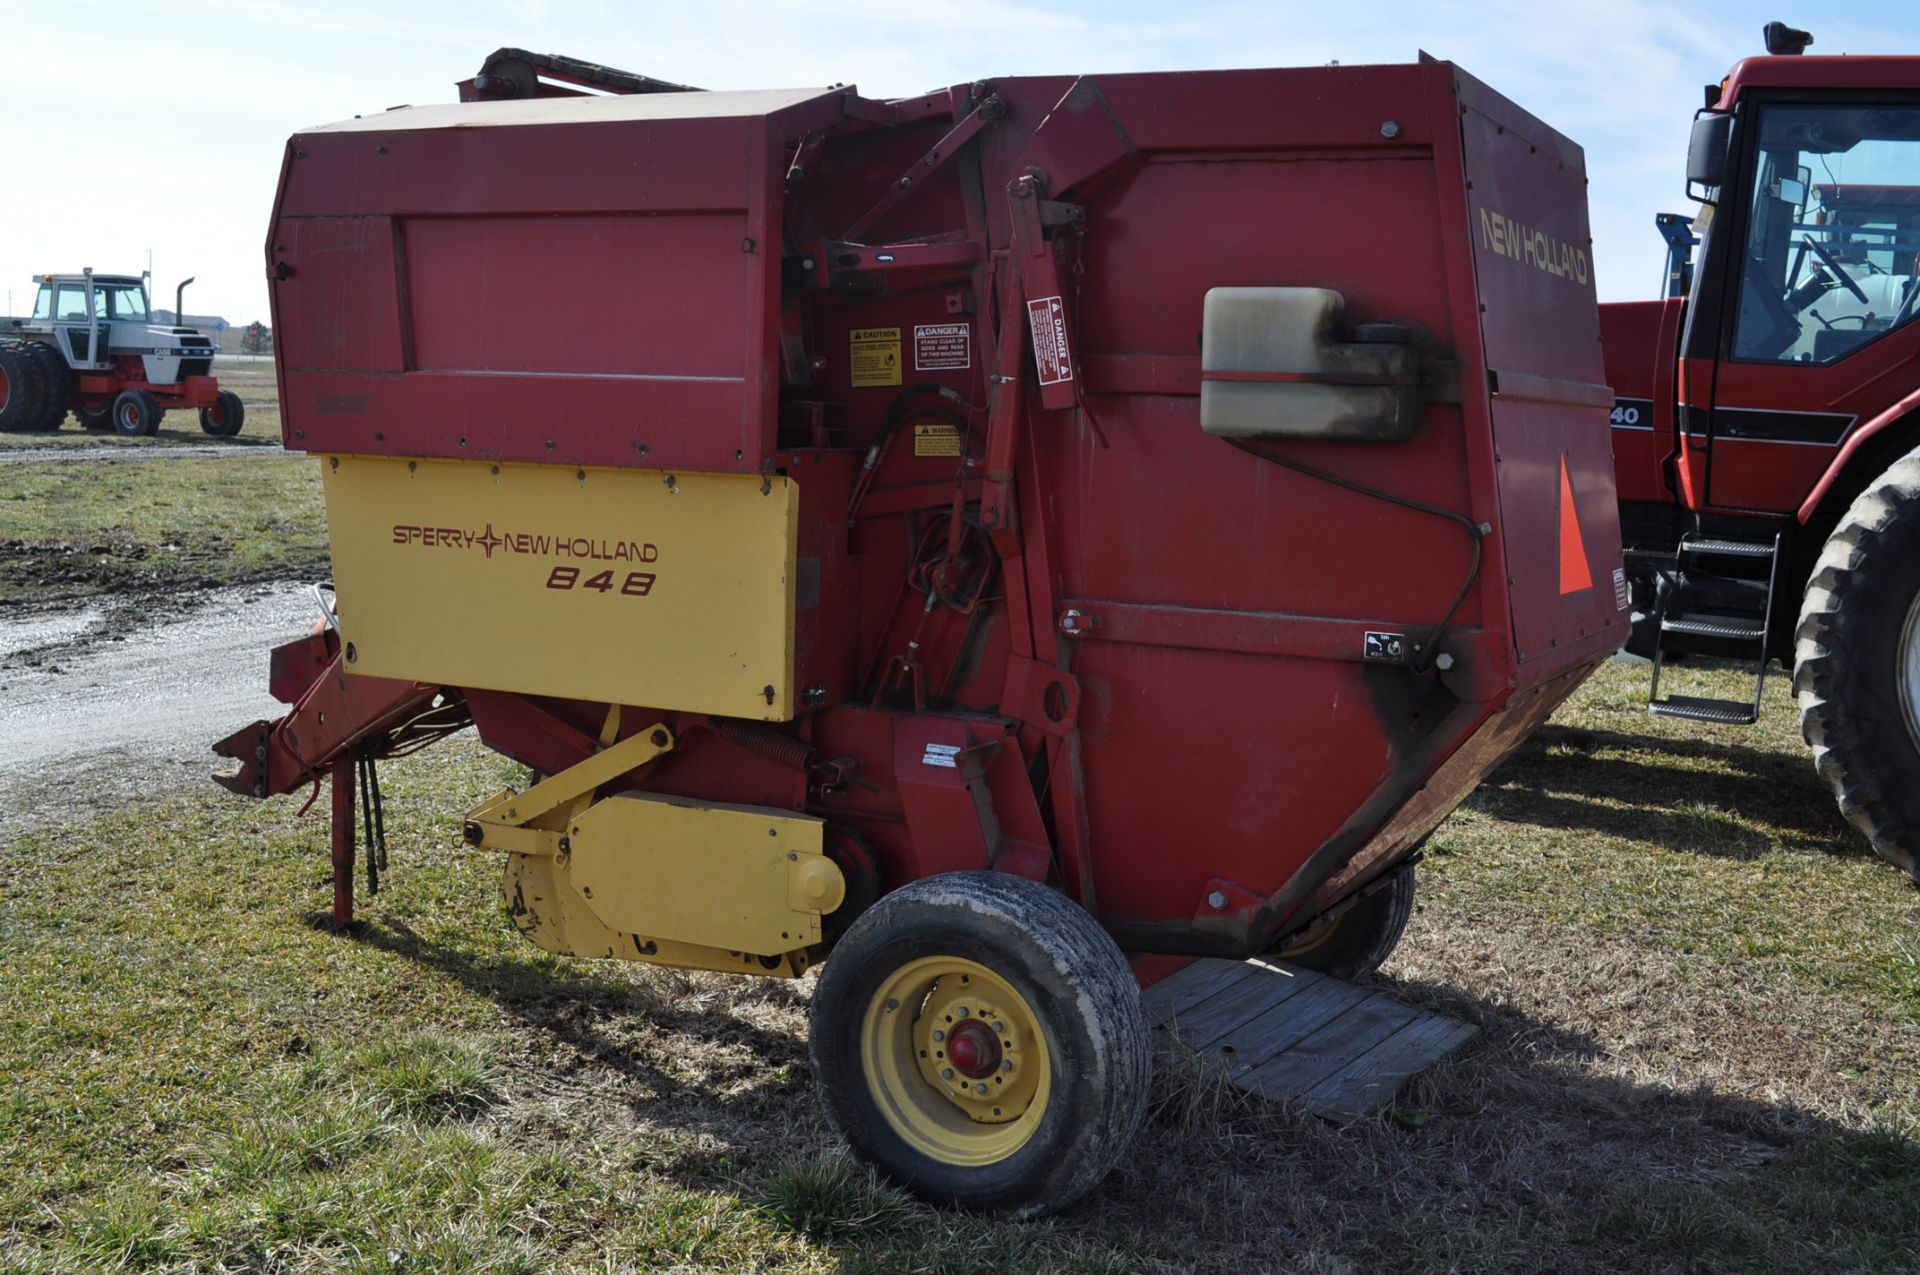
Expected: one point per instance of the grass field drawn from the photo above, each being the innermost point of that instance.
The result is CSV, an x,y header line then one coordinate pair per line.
x,y
74,529
1699,1000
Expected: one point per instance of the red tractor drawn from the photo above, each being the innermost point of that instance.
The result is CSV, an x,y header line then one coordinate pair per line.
x,y
90,348
1767,426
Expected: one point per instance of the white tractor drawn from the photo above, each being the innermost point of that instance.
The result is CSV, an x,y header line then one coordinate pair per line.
x,y
90,349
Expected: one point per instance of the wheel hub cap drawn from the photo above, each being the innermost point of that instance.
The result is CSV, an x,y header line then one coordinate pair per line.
x,y
973,1049
956,1060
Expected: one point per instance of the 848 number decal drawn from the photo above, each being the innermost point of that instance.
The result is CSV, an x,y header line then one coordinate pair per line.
x,y
638,584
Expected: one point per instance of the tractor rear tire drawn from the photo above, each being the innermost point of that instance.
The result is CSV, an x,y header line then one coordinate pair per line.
x,y
1857,663
225,417
136,413
1037,1079
56,381
20,387
1356,943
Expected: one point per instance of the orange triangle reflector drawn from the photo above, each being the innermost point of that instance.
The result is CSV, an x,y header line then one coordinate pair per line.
x,y
1574,575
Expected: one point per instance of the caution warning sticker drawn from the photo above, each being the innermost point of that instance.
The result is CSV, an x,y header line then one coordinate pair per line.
x,y
874,356
936,438
939,347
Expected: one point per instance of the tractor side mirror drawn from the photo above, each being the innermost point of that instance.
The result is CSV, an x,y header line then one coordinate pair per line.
x,y
1707,152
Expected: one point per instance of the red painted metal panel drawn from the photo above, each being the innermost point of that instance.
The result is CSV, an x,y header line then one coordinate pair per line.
x,y
1541,336
347,313
596,296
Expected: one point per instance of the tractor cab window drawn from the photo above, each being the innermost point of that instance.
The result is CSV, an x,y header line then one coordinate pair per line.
x,y
43,304
70,303
120,301
1832,255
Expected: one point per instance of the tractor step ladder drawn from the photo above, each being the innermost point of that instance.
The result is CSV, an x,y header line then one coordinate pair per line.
x,y
1289,1033
1726,611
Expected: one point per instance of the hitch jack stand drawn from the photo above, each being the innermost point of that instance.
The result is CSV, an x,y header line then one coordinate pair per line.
x,y
342,779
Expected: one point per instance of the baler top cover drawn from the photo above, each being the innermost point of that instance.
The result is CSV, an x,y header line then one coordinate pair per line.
x,y
1210,681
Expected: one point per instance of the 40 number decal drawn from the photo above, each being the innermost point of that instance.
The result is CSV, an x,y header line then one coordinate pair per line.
x,y
638,584
1631,413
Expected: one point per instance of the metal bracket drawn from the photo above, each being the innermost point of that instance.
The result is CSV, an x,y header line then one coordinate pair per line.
x,y
504,821
991,108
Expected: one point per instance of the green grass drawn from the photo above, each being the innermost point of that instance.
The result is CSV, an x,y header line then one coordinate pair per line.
x,y
82,528
1699,1019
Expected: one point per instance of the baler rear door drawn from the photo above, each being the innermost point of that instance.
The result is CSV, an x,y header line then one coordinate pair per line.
x,y
1540,325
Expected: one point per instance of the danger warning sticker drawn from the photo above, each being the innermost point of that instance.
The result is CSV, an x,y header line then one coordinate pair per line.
x,y
873,356
936,438
938,347
1621,594
1048,318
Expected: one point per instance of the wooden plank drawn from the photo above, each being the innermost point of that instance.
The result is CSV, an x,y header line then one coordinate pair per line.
x,y
1284,1025
1285,1032
1216,1028
1371,1081
1317,1056
1222,1012
1191,984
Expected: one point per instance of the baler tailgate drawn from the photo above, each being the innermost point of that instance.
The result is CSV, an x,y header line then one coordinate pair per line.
x,y
1527,221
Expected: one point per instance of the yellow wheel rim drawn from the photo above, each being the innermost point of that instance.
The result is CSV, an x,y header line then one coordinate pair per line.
x,y
1313,939
955,1060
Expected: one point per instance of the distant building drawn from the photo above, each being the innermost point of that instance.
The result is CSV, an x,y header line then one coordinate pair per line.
x,y
205,322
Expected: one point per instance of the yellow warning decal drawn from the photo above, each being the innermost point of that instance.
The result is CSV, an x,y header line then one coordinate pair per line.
x,y
874,356
936,438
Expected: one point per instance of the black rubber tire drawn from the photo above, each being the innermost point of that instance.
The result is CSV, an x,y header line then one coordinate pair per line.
x,y
56,385
136,414
225,419
20,386
1847,663
1079,987
1360,939
94,422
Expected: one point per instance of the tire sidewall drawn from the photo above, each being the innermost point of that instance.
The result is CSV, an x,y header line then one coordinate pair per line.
x,y
1848,670
139,425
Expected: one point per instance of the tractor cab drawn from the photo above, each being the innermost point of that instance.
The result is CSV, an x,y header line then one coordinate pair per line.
x,y
78,312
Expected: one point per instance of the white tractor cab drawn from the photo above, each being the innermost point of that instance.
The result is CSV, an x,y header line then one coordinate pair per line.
x,y
89,348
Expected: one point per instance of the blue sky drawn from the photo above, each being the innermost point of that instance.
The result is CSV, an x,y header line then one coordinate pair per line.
x,y
209,90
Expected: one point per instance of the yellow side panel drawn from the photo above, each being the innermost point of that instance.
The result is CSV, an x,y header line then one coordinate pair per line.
x,y
740,878
622,586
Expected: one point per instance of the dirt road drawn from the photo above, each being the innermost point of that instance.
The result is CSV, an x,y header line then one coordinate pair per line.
x,y
99,708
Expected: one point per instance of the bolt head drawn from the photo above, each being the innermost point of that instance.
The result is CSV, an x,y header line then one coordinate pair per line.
x,y
1390,129
1217,900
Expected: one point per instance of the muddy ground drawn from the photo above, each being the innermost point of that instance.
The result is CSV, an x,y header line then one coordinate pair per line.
x,y
112,704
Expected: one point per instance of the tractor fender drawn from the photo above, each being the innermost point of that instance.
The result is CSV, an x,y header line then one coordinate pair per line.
x,y
1860,438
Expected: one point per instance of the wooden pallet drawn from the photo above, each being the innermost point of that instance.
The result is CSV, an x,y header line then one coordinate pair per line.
x,y
1285,1032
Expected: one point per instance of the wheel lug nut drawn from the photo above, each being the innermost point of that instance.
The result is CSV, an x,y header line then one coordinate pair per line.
x,y
946,1073
999,1029
980,1089
1006,1064
939,1034
962,1011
